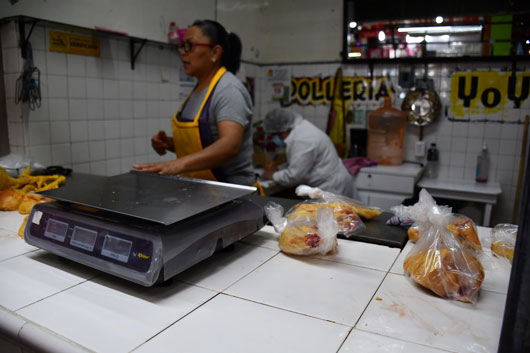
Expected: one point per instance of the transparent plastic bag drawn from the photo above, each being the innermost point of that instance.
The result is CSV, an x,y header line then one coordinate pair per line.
x,y
15,164
348,212
415,231
438,261
304,231
318,194
503,238
463,229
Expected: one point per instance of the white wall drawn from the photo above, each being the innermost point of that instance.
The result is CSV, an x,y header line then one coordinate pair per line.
x,y
272,31
97,115
139,18
277,31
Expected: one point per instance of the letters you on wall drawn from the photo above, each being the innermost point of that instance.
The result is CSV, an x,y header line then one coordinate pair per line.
x,y
488,93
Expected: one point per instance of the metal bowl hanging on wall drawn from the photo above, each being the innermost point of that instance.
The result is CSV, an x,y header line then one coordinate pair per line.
x,y
421,104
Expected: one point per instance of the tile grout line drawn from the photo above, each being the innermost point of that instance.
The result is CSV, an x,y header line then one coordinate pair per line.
x,y
179,319
207,301
355,324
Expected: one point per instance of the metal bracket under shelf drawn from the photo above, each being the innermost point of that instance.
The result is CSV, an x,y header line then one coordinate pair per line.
x,y
23,39
134,54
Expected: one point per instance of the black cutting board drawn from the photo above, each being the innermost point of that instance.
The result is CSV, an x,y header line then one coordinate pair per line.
x,y
378,232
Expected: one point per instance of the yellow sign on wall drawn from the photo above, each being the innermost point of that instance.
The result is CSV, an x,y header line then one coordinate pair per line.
x,y
70,43
318,90
488,92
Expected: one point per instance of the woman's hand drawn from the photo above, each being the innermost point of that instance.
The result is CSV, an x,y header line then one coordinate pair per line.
x,y
168,167
161,143
226,147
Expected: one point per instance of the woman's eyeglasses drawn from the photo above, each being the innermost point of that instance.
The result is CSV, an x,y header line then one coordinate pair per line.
x,y
186,47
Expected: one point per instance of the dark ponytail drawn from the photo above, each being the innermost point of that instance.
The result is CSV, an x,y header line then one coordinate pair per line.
x,y
229,41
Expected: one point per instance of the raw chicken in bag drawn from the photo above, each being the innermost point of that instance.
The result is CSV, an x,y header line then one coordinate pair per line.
x,y
503,239
438,261
347,212
304,232
462,227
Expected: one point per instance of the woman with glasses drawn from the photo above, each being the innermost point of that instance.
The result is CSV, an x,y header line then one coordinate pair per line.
x,y
212,135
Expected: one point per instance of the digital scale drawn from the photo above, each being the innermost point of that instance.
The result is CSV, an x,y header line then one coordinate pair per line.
x,y
145,228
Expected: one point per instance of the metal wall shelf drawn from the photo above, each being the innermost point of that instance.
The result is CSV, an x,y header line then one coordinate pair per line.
x,y
23,20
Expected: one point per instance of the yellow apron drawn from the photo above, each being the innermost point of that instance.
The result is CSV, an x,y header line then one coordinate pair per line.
x,y
187,136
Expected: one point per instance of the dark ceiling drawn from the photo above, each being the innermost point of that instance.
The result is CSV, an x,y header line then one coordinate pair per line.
x,y
385,10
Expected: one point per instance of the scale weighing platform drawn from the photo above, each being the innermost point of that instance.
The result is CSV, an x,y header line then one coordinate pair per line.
x,y
145,228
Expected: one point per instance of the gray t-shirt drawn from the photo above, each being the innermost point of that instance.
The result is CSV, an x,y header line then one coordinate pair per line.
x,y
230,101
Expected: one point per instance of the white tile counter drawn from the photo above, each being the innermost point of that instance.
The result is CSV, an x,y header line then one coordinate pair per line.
x,y
252,299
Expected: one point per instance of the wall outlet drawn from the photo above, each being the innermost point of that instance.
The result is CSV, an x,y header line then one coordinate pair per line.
x,y
164,75
419,149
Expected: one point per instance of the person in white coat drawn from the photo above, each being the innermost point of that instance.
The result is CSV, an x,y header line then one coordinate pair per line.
x,y
311,157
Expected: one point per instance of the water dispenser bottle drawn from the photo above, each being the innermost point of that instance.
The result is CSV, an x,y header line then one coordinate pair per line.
x,y
386,126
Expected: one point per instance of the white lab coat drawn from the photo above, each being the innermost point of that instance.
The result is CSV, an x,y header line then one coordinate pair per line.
x,y
312,160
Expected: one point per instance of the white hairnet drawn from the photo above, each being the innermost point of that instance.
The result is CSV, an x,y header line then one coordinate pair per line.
x,y
279,120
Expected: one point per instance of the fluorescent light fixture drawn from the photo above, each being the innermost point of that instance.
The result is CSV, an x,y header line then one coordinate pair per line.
x,y
439,19
440,29
355,54
414,40
381,36
443,38
353,24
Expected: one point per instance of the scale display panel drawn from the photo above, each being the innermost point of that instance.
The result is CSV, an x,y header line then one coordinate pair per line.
x,y
56,230
116,248
72,235
84,238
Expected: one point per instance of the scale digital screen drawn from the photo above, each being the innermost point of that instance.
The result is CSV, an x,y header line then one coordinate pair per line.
x,y
56,229
83,238
116,248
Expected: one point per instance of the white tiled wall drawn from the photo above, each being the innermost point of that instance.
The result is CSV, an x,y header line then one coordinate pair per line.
x,y
97,115
459,142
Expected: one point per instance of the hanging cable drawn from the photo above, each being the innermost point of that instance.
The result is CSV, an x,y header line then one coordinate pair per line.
x,y
27,89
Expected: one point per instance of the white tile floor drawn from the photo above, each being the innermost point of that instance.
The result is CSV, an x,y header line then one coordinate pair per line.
x,y
254,299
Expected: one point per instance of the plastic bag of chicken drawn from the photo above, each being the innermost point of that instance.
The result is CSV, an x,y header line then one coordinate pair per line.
x,y
503,238
348,212
439,261
303,231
